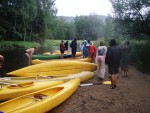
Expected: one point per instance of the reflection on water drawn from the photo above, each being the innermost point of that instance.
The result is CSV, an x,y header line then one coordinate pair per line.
x,y
16,59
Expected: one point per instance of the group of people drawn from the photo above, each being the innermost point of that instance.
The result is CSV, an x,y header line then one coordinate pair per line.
x,y
64,47
88,49
114,56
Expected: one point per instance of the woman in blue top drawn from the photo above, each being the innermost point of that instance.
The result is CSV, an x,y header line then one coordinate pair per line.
x,y
85,49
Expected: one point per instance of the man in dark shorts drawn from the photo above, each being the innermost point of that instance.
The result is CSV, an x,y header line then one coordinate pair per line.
x,y
73,46
113,57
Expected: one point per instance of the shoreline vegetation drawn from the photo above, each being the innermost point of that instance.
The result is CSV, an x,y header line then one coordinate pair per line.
x,y
139,58
29,44
48,43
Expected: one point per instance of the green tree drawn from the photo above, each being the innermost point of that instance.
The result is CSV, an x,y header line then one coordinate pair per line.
x,y
27,14
65,29
133,15
27,19
71,30
60,29
45,20
89,27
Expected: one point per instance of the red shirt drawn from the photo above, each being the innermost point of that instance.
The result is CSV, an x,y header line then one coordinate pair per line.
x,y
92,50
62,47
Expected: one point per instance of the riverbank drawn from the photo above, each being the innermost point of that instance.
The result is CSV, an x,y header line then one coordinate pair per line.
x,y
132,95
29,44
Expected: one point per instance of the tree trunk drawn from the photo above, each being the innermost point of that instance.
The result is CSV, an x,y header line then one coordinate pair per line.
x,y
24,34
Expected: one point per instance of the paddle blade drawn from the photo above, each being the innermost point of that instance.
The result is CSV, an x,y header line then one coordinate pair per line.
x,y
106,82
88,84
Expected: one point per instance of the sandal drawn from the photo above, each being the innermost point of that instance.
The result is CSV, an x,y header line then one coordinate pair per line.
x,y
111,87
100,79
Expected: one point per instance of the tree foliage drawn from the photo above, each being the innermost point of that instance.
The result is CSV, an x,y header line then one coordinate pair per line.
x,y
89,27
64,29
26,19
133,16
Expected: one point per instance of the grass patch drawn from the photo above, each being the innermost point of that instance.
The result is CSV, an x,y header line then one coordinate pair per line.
x,y
19,44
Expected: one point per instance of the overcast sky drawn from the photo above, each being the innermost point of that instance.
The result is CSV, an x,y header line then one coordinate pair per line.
x,y
83,7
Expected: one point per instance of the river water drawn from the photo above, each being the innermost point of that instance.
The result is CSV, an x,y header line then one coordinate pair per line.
x,y
14,58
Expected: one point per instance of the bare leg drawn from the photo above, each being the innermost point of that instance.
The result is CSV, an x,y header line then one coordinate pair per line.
x,y
126,73
62,56
115,81
112,80
29,59
29,62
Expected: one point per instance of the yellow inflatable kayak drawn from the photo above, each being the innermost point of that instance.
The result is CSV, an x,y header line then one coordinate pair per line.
x,y
55,68
37,61
83,76
17,89
41,101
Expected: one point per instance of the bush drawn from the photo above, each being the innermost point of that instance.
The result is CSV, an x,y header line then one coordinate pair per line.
x,y
141,55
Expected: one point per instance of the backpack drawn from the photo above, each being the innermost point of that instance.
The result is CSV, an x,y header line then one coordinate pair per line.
x,y
101,52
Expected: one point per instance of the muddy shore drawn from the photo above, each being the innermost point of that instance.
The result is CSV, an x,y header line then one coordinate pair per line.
x,y
132,95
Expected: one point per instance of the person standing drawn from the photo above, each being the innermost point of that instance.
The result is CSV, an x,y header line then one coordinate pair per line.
x,y
126,52
66,45
100,60
1,65
113,57
29,52
85,49
62,49
73,46
92,51
81,47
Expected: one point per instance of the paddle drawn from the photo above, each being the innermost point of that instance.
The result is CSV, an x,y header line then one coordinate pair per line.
x,y
90,84
18,85
5,83
5,78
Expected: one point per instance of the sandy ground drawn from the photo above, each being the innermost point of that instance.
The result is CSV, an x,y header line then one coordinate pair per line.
x,y
132,95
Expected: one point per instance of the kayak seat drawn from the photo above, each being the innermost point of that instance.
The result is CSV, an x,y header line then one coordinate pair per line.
x,y
40,96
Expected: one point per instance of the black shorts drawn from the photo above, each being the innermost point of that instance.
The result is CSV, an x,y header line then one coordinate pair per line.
x,y
74,52
113,69
25,52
